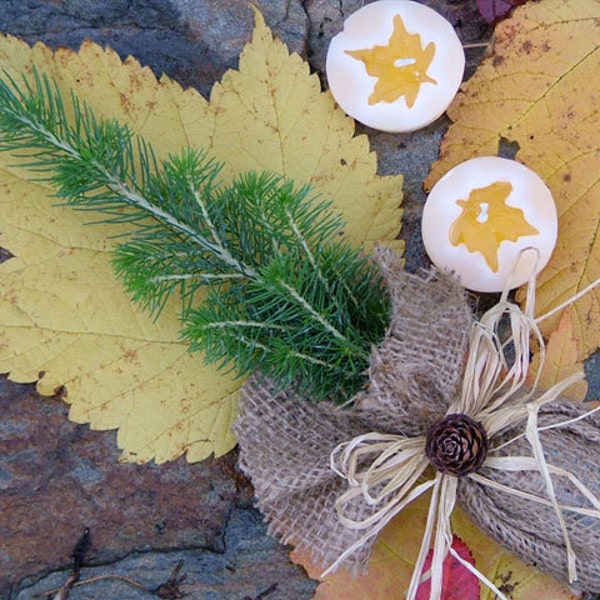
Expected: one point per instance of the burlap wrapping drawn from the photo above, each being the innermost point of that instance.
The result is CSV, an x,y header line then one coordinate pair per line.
x,y
286,442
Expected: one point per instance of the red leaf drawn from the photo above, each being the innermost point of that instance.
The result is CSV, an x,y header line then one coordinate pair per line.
x,y
495,10
458,582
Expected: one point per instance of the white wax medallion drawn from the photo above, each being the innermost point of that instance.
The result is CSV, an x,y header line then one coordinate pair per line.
x,y
491,222
396,66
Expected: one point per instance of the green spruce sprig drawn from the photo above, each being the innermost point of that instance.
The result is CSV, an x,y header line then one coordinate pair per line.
x,y
266,282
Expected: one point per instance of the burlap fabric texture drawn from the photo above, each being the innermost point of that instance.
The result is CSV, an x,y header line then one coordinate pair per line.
x,y
286,441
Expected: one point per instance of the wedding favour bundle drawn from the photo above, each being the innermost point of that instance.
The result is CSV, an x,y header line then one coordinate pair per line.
x,y
448,409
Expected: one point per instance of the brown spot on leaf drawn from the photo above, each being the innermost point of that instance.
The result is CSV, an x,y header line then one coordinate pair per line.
x,y
507,586
497,60
567,177
131,355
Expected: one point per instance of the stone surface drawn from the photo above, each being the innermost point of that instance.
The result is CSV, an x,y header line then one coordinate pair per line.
x,y
237,573
192,41
56,478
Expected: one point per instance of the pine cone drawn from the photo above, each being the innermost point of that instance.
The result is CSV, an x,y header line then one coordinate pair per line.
x,y
456,445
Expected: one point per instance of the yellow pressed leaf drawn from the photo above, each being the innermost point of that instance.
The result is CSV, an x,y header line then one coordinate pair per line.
x,y
561,360
504,223
272,115
538,90
395,553
66,320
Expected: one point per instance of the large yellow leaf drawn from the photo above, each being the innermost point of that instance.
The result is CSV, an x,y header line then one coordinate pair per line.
x,y
66,320
540,90
395,553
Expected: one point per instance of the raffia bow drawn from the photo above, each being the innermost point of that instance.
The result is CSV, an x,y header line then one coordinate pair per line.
x,y
331,479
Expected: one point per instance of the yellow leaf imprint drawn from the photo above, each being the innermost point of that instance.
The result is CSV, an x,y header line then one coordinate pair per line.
x,y
486,221
401,66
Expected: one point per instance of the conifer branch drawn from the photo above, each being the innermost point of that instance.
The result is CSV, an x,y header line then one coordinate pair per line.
x,y
265,282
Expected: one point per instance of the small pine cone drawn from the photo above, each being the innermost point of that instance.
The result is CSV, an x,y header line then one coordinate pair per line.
x,y
456,445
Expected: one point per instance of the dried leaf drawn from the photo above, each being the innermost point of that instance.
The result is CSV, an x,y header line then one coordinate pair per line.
x,y
536,91
394,556
507,572
66,319
561,360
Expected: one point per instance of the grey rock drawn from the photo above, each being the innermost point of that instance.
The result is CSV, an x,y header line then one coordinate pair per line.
x,y
250,565
192,41
57,477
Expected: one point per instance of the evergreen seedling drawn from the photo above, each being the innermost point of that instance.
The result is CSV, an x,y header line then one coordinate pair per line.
x,y
265,281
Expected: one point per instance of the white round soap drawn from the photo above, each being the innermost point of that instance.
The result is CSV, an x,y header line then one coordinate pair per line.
x,y
395,66
491,222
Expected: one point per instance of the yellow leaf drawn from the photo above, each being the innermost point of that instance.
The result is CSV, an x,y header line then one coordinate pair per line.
x,y
395,553
272,115
561,360
537,91
66,319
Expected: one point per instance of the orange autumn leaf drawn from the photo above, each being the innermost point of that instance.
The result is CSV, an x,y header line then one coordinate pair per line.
x,y
561,360
538,90
395,553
